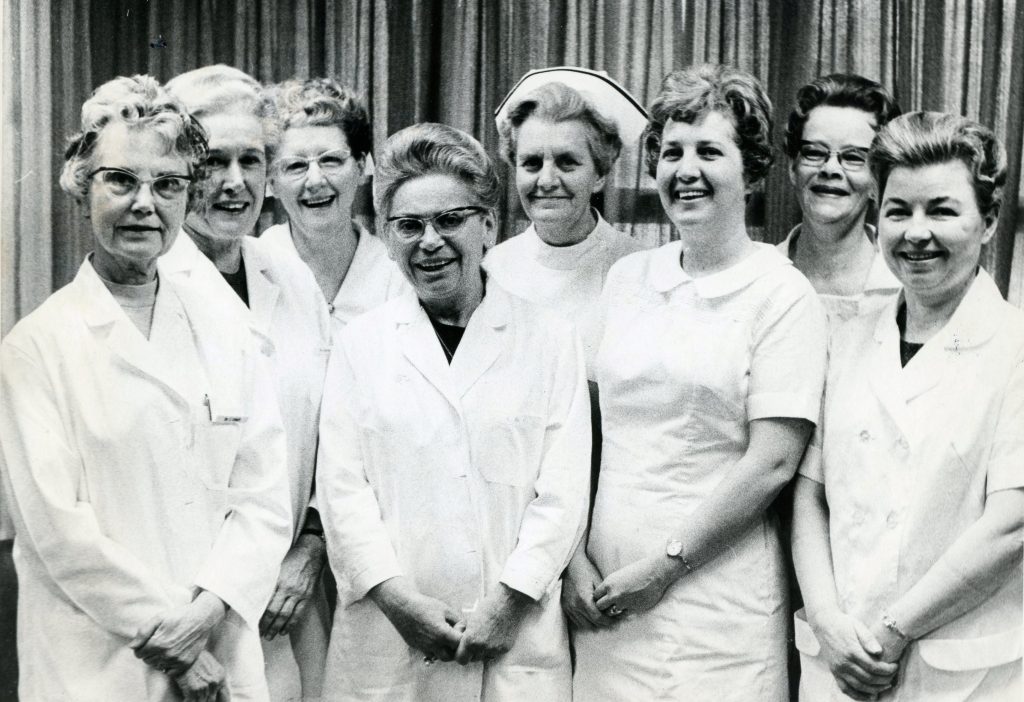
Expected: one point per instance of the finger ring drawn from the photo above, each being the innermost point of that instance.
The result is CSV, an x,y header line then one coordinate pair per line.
x,y
614,611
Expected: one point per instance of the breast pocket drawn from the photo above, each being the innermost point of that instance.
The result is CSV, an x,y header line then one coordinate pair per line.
x,y
217,434
508,448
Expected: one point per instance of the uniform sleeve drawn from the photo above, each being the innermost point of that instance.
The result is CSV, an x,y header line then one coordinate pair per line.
x,y
43,470
243,564
1006,461
358,544
787,368
554,520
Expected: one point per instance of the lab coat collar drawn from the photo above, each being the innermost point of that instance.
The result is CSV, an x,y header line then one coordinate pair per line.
x,y
478,350
109,323
264,290
667,273
973,323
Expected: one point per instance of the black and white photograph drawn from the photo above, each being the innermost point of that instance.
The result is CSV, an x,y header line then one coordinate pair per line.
x,y
512,351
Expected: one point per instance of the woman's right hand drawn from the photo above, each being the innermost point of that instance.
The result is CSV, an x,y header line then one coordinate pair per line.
x,y
853,655
578,603
427,624
204,681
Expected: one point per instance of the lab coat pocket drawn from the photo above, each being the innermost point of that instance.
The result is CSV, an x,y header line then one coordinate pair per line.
x,y
509,449
217,431
973,654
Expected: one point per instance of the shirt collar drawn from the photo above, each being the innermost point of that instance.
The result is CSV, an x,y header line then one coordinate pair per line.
x,y
667,273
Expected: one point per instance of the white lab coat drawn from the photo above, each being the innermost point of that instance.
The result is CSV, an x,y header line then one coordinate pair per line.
x,y
127,496
286,307
372,278
456,477
908,457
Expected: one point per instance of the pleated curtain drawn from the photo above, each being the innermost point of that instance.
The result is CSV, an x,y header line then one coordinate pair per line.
x,y
452,61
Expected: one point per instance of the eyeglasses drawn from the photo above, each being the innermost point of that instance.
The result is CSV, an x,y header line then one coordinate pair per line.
x,y
329,162
410,229
120,182
850,159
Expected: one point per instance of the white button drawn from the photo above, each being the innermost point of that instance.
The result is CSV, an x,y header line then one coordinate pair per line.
x,y
892,520
865,435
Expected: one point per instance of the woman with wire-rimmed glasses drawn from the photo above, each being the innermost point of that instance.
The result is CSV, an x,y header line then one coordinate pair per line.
x,y
140,440
454,454
325,139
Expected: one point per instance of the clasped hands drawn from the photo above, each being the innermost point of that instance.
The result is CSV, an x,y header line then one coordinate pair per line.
x,y
591,602
864,661
175,643
431,626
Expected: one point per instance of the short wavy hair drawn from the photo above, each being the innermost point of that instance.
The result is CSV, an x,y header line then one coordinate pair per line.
x,y
428,149
919,139
221,89
558,102
690,94
140,103
323,102
839,90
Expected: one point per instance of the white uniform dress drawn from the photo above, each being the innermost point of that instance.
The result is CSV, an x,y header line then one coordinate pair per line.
x,y
457,477
285,306
567,279
685,365
371,280
908,457
879,289
140,470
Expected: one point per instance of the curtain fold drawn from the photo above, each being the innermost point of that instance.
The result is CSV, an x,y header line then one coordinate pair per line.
x,y
453,60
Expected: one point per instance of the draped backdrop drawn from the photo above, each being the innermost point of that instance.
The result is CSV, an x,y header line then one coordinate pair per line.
x,y
453,60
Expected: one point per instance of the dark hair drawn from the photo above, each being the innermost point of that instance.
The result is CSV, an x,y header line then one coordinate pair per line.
x,y
927,138
839,90
323,102
140,103
693,92
429,148
558,102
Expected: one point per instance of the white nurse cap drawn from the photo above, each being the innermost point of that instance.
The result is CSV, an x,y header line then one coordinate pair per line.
x,y
608,97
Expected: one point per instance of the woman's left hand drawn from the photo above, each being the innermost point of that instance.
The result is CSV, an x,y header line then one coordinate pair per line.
x,y
634,588
296,584
492,629
171,642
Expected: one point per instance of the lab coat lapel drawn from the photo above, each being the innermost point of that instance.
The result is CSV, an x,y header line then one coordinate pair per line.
x,y
886,377
263,291
112,327
420,346
481,343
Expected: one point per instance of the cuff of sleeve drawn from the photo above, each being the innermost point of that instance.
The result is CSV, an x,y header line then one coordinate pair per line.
x,y
368,578
810,464
783,404
249,608
1004,480
528,576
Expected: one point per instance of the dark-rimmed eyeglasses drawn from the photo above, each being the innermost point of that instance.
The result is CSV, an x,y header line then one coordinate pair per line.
x,y
121,182
409,229
852,159
329,162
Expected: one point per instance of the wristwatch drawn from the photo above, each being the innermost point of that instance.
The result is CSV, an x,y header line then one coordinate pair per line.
x,y
674,549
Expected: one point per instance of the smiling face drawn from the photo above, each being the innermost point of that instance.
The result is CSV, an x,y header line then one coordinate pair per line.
x,y
236,181
555,177
132,230
316,201
930,230
700,173
444,270
827,192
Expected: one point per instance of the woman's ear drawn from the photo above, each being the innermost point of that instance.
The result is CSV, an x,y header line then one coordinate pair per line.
x,y
991,223
490,229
